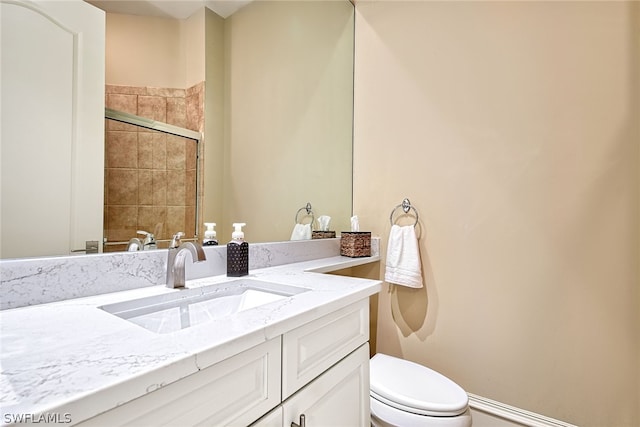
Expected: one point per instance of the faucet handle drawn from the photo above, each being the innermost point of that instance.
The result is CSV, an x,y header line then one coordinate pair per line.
x,y
175,242
149,238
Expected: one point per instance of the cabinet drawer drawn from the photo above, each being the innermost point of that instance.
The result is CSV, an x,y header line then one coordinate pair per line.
x,y
234,392
314,347
337,398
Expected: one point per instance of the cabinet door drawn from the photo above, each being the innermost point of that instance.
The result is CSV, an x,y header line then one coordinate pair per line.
x,y
313,348
337,398
234,392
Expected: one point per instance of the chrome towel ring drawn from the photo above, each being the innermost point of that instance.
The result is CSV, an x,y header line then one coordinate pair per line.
x,y
308,211
406,207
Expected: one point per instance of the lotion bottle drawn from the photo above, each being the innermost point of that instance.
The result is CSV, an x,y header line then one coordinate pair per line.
x,y
210,235
237,253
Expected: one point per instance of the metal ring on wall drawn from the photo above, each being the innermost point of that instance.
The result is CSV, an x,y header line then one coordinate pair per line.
x,y
406,207
308,210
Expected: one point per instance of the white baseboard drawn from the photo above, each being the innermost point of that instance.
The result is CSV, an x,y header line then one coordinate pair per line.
x,y
490,413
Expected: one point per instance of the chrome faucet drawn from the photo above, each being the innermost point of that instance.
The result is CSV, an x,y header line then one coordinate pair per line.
x,y
177,257
149,240
135,244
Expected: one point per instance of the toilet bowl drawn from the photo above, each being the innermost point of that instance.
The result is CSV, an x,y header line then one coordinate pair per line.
x,y
406,394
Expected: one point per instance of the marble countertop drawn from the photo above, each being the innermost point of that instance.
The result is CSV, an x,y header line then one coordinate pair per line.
x,y
72,359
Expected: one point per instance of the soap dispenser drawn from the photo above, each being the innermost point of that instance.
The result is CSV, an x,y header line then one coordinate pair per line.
x,y
237,253
210,235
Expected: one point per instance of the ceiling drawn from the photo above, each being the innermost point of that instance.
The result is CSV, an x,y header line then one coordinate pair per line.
x,y
177,9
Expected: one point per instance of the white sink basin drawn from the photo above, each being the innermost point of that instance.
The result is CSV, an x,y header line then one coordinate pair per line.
x,y
188,307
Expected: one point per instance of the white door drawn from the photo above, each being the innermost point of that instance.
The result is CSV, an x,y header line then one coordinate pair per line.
x,y
52,126
339,397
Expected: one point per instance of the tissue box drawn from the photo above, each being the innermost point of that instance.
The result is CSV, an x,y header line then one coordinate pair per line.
x,y
355,244
323,234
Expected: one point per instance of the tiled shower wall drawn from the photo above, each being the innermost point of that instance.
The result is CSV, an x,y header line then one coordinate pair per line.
x,y
150,176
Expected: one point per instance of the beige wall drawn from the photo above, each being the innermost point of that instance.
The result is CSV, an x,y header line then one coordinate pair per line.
x,y
513,128
152,46
159,52
193,36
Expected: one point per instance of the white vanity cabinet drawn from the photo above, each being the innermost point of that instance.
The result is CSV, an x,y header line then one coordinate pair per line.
x,y
325,372
233,392
319,369
339,397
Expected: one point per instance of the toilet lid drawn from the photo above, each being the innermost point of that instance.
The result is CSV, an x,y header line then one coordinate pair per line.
x,y
415,388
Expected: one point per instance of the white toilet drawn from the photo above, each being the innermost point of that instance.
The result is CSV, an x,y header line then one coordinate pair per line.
x,y
406,394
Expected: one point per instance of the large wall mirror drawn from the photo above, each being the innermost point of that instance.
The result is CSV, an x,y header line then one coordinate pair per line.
x,y
275,84
269,88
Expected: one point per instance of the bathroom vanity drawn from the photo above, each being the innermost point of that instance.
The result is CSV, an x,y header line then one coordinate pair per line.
x,y
319,370
292,349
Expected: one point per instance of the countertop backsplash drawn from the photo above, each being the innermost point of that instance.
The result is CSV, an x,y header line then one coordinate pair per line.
x,y
25,282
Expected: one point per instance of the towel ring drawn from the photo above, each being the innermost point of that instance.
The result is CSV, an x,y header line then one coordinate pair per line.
x,y
308,210
406,207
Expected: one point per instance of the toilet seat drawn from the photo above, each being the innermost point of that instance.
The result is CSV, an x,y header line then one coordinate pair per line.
x,y
414,388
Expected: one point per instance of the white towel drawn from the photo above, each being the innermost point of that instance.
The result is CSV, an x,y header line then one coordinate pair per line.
x,y
301,232
403,257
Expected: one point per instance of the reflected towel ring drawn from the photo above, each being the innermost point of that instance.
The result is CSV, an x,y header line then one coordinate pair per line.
x,y
308,210
406,207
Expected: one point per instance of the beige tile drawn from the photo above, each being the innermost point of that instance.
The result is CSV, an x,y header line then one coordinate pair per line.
x,y
190,188
175,219
175,152
145,187
125,90
112,89
191,154
145,150
177,112
160,225
122,223
152,107
197,89
115,248
159,188
159,150
195,112
201,177
151,186
166,92
123,187
121,149
190,221
176,188
111,124
120,102
152,219
125,103
105,215
105,187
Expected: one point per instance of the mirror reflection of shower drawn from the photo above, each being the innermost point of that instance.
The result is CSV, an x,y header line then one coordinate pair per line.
x,y
151,182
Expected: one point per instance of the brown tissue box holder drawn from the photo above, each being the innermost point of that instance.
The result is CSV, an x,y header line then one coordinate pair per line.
x,y
355,244
323,234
